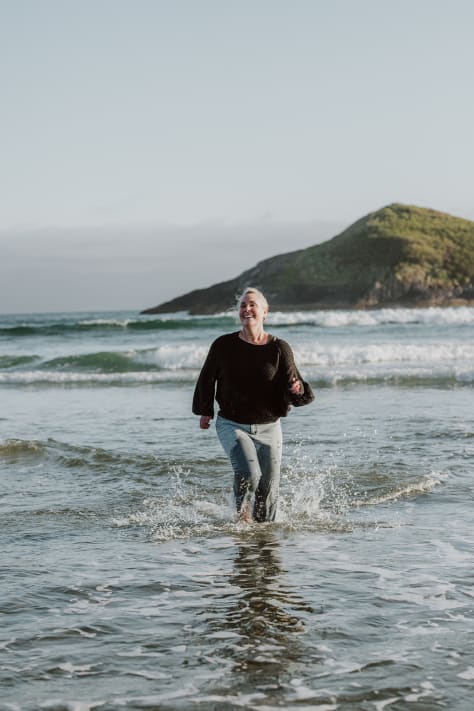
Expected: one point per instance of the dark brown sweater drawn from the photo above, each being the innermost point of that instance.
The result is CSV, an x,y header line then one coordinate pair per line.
x,y
252,381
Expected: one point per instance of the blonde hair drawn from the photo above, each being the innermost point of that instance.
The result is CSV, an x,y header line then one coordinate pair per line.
x,y
252,290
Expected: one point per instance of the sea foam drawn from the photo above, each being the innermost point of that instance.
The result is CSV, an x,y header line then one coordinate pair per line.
x,y
459,315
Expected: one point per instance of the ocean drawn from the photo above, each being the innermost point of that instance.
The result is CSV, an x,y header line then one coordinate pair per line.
x,y
126,584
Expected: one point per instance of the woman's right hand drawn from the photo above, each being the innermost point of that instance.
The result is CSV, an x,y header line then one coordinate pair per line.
x,y
205,422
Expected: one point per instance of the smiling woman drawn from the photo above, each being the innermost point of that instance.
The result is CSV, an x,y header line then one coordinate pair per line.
x,y
257,382
253,310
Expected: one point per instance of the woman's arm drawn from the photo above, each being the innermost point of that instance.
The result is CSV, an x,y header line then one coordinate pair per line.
x,y
204,392
300,392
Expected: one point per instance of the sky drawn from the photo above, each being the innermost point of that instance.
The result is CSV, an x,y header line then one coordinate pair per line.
x,y
150,147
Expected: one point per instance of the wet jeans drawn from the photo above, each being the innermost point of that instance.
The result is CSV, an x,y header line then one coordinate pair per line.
x,y
255,454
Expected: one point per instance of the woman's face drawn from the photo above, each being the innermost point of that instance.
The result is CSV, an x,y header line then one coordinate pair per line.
x,y
251,311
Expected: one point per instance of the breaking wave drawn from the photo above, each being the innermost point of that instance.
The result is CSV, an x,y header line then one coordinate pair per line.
x,y
322,363
59,324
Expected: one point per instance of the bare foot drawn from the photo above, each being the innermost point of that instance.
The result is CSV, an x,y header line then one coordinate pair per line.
x,y
244,515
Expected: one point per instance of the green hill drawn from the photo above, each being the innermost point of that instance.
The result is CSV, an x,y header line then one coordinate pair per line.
x,y
399,255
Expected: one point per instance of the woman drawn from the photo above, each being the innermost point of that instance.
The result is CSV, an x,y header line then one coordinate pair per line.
x,y
257,381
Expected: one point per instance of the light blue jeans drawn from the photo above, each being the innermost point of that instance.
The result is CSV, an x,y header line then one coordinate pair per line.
x,y
255,454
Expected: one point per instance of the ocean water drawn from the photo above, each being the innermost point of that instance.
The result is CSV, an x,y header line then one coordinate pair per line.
x,y
125,582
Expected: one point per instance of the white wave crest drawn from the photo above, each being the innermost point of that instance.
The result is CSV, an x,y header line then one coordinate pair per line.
x,y
191,356
429,353
453,315
174,357
55,377
423,486
319,361
374,374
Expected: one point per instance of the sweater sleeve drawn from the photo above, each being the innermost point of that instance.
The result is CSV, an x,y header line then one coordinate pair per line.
x,y
204,392
288,366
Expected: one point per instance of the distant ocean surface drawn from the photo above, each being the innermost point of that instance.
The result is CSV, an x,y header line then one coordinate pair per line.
x,y
125,582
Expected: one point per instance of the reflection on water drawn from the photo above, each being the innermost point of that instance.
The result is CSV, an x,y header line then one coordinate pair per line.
x,y
259,627
267,605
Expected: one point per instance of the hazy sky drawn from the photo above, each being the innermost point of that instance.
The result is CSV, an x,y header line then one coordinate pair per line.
x,y
149,147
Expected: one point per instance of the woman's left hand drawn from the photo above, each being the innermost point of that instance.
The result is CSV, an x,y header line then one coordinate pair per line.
x,y
296,386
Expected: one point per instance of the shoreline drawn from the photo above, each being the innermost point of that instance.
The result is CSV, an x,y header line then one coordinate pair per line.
x,y
424,304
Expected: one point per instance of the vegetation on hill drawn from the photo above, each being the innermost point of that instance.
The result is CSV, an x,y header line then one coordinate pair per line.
x,y
399,255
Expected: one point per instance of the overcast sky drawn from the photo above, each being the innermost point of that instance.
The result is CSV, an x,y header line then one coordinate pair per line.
x,y
149,147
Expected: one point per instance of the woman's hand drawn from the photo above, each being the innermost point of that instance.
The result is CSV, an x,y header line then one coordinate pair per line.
x,y
205,422
296,387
